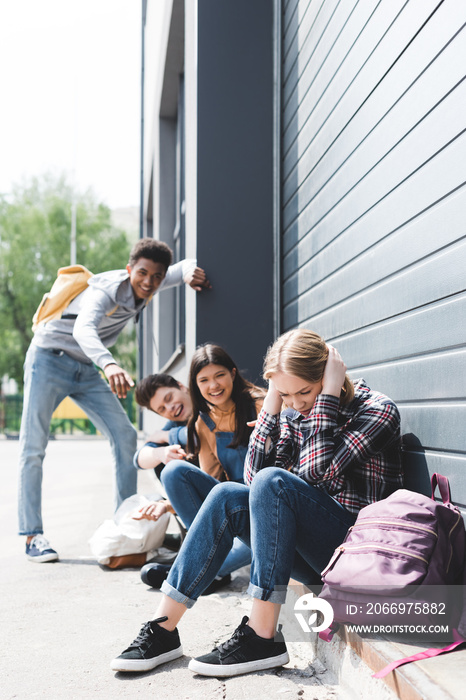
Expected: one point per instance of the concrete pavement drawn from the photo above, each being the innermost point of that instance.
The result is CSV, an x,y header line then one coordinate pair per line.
x,y
63,622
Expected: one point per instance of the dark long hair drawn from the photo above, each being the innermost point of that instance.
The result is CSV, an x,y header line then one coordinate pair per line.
x,y
243,395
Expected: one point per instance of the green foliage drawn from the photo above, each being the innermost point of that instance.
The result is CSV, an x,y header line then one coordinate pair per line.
x,y
35,226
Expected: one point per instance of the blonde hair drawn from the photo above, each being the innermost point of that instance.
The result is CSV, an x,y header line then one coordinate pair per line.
x,y
303,354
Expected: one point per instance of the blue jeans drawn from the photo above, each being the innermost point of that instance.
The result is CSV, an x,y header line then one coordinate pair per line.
x,y
292,528
187,487
50,376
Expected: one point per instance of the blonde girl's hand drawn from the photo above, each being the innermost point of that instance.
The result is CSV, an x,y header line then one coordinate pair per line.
x,y
334,373
152,511
273,401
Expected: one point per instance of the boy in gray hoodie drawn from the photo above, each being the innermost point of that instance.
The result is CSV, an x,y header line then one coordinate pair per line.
x,y
60,362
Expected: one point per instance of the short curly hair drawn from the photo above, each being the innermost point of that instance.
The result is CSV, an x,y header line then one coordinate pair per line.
x,y
149,248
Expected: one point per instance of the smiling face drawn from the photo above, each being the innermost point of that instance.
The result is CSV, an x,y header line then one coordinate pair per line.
x,y
215,382
172,403
296,393
145,277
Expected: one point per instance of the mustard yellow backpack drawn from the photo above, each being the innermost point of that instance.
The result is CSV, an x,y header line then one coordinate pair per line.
x,y
71,281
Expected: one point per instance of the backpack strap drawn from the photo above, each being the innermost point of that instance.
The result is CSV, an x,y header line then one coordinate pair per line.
x,y
110,313
426,654
443,486
75,316
327,635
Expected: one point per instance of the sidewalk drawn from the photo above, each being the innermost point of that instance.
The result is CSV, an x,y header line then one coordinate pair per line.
x,y
63,622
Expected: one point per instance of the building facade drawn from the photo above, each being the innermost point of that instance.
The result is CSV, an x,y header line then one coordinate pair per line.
x,y
309,153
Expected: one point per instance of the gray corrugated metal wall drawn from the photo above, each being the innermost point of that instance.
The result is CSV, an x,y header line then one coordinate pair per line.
x,y
374,204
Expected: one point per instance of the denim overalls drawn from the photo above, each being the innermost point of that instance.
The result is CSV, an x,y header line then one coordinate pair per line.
x,y
232,460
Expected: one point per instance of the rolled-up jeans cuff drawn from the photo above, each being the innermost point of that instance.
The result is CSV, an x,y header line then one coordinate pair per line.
x,y
277,595
176,595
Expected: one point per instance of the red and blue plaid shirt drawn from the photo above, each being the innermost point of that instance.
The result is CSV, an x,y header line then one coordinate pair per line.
x,y
351,452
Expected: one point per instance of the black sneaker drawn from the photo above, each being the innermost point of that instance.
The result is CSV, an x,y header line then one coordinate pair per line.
x,y
154,574
217,584
172,541
245,652
153,646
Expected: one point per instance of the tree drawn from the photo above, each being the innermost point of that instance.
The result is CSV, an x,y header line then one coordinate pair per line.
x,y
35,225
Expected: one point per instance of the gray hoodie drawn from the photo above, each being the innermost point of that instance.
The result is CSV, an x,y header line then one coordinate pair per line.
x,y
99,315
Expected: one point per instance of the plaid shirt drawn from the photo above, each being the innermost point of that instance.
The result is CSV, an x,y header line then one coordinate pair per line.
x,y
351,452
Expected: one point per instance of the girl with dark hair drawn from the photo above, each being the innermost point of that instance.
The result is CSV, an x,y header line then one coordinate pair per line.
x,y
220,392
224,403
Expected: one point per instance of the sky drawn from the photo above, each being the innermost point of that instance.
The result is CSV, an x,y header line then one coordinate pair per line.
x,y
70,94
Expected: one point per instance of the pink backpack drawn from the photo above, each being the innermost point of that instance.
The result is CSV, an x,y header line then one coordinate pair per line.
x,y
393,566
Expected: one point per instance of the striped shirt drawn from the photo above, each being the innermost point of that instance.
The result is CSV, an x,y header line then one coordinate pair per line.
x,y
351,452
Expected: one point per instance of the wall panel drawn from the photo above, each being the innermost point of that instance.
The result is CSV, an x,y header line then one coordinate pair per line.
x,y
373,206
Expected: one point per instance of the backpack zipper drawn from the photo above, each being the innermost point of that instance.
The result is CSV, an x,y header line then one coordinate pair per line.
x,y
451,546
397,523
336,555
376,545
342,548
